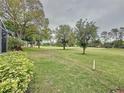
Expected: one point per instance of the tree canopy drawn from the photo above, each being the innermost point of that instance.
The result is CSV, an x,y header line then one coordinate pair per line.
x,y
64,35
86,30
20,15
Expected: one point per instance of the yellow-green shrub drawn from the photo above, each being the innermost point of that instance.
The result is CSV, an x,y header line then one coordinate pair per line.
x,y
15,72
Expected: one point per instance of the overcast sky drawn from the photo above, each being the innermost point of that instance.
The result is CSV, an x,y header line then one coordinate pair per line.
x,y
107,13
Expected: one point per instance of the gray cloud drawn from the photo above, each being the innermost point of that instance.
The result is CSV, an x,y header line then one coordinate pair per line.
x,y
106,13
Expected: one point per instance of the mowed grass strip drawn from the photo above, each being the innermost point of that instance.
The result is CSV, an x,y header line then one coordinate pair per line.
x,y
68,71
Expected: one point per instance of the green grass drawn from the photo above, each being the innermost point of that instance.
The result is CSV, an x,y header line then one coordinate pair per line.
x,y
68,71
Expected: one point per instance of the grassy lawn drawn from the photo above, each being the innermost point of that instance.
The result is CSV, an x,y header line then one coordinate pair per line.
x,y
68,71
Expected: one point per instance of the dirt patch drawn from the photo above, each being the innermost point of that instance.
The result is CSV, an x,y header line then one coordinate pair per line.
x,y
117,91
120,91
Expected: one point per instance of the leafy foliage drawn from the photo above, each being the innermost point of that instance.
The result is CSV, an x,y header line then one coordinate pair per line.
x,y
96,43
21,14
15,72
14,42
64,34
85,31
113,38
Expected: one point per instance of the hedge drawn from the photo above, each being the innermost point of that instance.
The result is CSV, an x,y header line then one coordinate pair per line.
x,y
15,72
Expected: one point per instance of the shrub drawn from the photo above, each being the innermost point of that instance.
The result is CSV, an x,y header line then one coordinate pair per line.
x,y
96,43
14,42
15,72
108,45
117,43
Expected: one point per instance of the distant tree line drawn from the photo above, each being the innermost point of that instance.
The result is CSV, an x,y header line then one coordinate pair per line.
x,y
85,34
113,38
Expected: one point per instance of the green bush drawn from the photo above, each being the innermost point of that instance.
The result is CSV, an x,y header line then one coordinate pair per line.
x,y
117,43
13,41
15,72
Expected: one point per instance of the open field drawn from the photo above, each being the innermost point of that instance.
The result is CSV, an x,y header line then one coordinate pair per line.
x,y
68,71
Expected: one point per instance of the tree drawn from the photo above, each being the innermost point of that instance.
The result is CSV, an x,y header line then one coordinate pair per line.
x,y
85,30
110,36
104,35
63,34
20,14
31,34
115,33
121,33
118,36
46,34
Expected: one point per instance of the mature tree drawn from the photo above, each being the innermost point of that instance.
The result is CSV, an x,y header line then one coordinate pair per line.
x,y
86,30
115,33
110,36
35,35
31,34
46,34
43,35
104,36
63,34
20,14
121,33
118,36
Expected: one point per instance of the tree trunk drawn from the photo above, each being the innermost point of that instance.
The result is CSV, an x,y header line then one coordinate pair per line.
x,y
38,44
84,50
63,46
31,45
